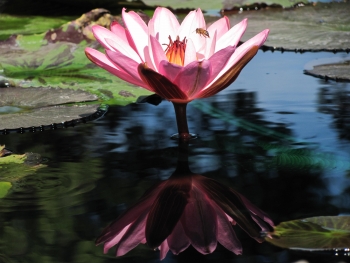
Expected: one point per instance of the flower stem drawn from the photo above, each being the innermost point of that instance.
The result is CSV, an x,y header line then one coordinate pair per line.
x,y
181,120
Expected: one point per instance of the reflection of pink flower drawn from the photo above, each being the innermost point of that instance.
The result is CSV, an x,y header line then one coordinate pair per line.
x,y
182,211
173,60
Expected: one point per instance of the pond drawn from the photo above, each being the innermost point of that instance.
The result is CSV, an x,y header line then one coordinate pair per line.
x,y
277,136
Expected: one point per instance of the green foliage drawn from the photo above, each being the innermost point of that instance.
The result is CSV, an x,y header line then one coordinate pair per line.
x,y
319,233
4,188
65,65
27,25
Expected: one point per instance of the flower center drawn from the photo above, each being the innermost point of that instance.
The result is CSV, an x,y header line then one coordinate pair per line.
x,y
175,51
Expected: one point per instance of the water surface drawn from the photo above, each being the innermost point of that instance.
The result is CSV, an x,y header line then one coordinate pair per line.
x,y
277,136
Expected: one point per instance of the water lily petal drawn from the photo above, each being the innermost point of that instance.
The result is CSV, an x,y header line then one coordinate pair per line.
x,y
133,236
137,29
186,25
101,34
232,37
130,215
169,70
199,40
164,24
194,77
223,81
190,53
200,222
124,49
210,45
164,248
229,202
125,63
259,216
220,26
156,52
178,241
115,240
119,30
257,40
243,54
167,210
102,61
226,235
160,84
219,60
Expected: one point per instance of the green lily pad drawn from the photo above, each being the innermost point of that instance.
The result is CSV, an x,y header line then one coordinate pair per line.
x,y
338,71
27,25
308,28
65,65
315,233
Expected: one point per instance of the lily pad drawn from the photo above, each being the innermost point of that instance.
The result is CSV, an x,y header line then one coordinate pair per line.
x,y
339,71
65,65
41,108
231,4
315,233
192,4
27,25
42,96
47,118
308,28
80,29
57,58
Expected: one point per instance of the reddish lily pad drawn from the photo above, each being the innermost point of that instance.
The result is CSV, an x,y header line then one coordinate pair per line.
x,y
339,71
315,233
80,29
308,28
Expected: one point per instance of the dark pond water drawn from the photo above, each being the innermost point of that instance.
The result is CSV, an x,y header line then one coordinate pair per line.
x,y
277,136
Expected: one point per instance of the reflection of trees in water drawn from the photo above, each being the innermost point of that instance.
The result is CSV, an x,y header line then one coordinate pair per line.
x,y
253,162
335,100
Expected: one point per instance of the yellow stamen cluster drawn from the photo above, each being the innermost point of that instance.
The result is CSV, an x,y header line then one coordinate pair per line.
x,y
175,51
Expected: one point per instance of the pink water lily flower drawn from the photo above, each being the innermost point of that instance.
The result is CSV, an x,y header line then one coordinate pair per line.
x,y
179,62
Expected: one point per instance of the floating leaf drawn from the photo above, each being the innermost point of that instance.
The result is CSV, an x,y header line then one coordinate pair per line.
x,y
79,30
339,71
27,25
40,109
308,28
231,4
191,4
47,116
42,96
65,65
315,233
